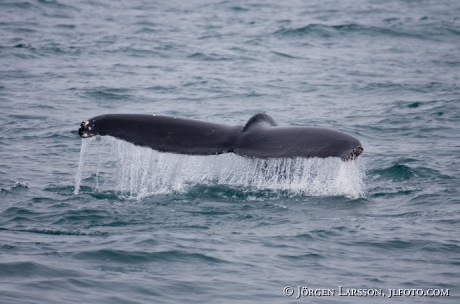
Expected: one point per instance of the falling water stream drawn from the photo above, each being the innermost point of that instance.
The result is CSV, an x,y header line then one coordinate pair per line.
x,y
108,164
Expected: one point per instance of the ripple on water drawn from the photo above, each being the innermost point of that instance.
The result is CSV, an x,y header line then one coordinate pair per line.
x,y
33,270
129,257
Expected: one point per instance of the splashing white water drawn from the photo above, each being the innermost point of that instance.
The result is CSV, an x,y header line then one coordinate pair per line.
x,y
139,172
84,144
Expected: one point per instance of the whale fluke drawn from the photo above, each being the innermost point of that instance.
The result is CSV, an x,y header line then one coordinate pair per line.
x,y
260,137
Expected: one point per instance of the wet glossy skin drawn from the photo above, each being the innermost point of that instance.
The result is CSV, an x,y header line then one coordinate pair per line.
x,y
260,137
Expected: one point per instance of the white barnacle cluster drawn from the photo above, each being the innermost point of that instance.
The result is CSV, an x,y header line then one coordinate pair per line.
x,y
83,128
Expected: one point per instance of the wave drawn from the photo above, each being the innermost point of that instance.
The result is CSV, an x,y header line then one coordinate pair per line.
x,y
405,169
135,257
327,31
59,232
29,269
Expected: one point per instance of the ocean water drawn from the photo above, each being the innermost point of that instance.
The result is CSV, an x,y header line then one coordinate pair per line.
x,y
102,221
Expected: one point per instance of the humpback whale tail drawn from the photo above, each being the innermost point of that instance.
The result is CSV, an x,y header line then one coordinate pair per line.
x,y
260,137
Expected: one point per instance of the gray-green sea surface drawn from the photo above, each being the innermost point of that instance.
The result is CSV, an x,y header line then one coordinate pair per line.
x,y
100,220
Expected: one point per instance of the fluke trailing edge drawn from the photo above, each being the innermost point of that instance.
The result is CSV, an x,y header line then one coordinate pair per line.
x,y
261,137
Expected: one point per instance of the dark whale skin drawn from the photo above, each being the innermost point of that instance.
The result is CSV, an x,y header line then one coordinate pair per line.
x,y
261,137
